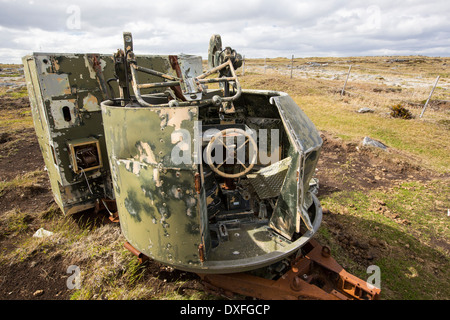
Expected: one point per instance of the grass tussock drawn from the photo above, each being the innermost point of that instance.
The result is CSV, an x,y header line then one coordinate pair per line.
x,y
399,111
28,180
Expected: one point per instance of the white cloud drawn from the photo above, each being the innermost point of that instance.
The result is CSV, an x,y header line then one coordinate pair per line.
x,y
256,28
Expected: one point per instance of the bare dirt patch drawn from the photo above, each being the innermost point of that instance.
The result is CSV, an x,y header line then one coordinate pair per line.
x,y
35,279
348,166
351,166
19,149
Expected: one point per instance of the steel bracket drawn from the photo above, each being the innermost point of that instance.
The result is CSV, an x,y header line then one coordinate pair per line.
x,y
314,275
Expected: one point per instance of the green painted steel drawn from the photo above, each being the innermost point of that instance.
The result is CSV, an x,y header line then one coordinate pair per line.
x,y
158,205
135,129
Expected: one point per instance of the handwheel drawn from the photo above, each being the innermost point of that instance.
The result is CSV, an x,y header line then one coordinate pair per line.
x,y
232,151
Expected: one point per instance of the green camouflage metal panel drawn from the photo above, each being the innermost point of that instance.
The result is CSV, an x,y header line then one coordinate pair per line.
x,y
307,143
98,145
158,205
284,217
304,133
64,109
65,93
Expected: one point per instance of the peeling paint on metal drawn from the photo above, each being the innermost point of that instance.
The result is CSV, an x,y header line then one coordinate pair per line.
x,y
90,103
145,153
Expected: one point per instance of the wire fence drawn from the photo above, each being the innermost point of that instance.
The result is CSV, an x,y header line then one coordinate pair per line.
x,y
389,74
337,69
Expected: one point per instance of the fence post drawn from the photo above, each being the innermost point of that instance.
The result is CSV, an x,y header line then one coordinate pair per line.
x,y
243,66
292,64
348,74
431,93
265,66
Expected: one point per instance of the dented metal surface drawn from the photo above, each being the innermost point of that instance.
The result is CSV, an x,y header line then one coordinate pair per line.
x,y
139,130
65,92
65,103
213,181
157,202
181,213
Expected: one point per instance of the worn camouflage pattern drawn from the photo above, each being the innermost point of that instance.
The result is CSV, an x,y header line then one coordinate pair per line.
x,y
98,144
158,205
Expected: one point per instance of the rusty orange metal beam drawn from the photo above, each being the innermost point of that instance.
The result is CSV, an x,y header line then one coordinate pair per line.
x,y
316,275
347,283
141,257
313,276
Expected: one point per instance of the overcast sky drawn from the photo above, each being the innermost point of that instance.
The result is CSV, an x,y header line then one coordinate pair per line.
x,y
255,28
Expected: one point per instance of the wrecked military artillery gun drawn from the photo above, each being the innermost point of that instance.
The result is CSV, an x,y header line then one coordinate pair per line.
x,y
203,175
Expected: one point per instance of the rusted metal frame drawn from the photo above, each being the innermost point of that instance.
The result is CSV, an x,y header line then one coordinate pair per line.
x,y
212,80
158,84
141,257
155,73
264,289
95,64
297,283
233,77
173,59
290,286
106,204
137,86
137,90
347,283
174,80
215,69
238,86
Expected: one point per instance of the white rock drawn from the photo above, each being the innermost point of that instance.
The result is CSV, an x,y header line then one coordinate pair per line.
x,y
42,233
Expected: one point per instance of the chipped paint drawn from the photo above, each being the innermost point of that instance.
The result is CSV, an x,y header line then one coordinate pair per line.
x,y
131,165
57,90
90,103
87,64
165,204
156,178
162,204
175,116
56,84
60,121
145,153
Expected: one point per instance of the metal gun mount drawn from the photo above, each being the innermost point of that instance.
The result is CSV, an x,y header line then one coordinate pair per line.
x,y
192,86
242,224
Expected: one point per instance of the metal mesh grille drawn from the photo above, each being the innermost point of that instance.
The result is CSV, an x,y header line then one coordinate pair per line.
x,y
268,181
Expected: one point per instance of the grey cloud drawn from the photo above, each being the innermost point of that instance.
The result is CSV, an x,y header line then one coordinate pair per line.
x,y
256,28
